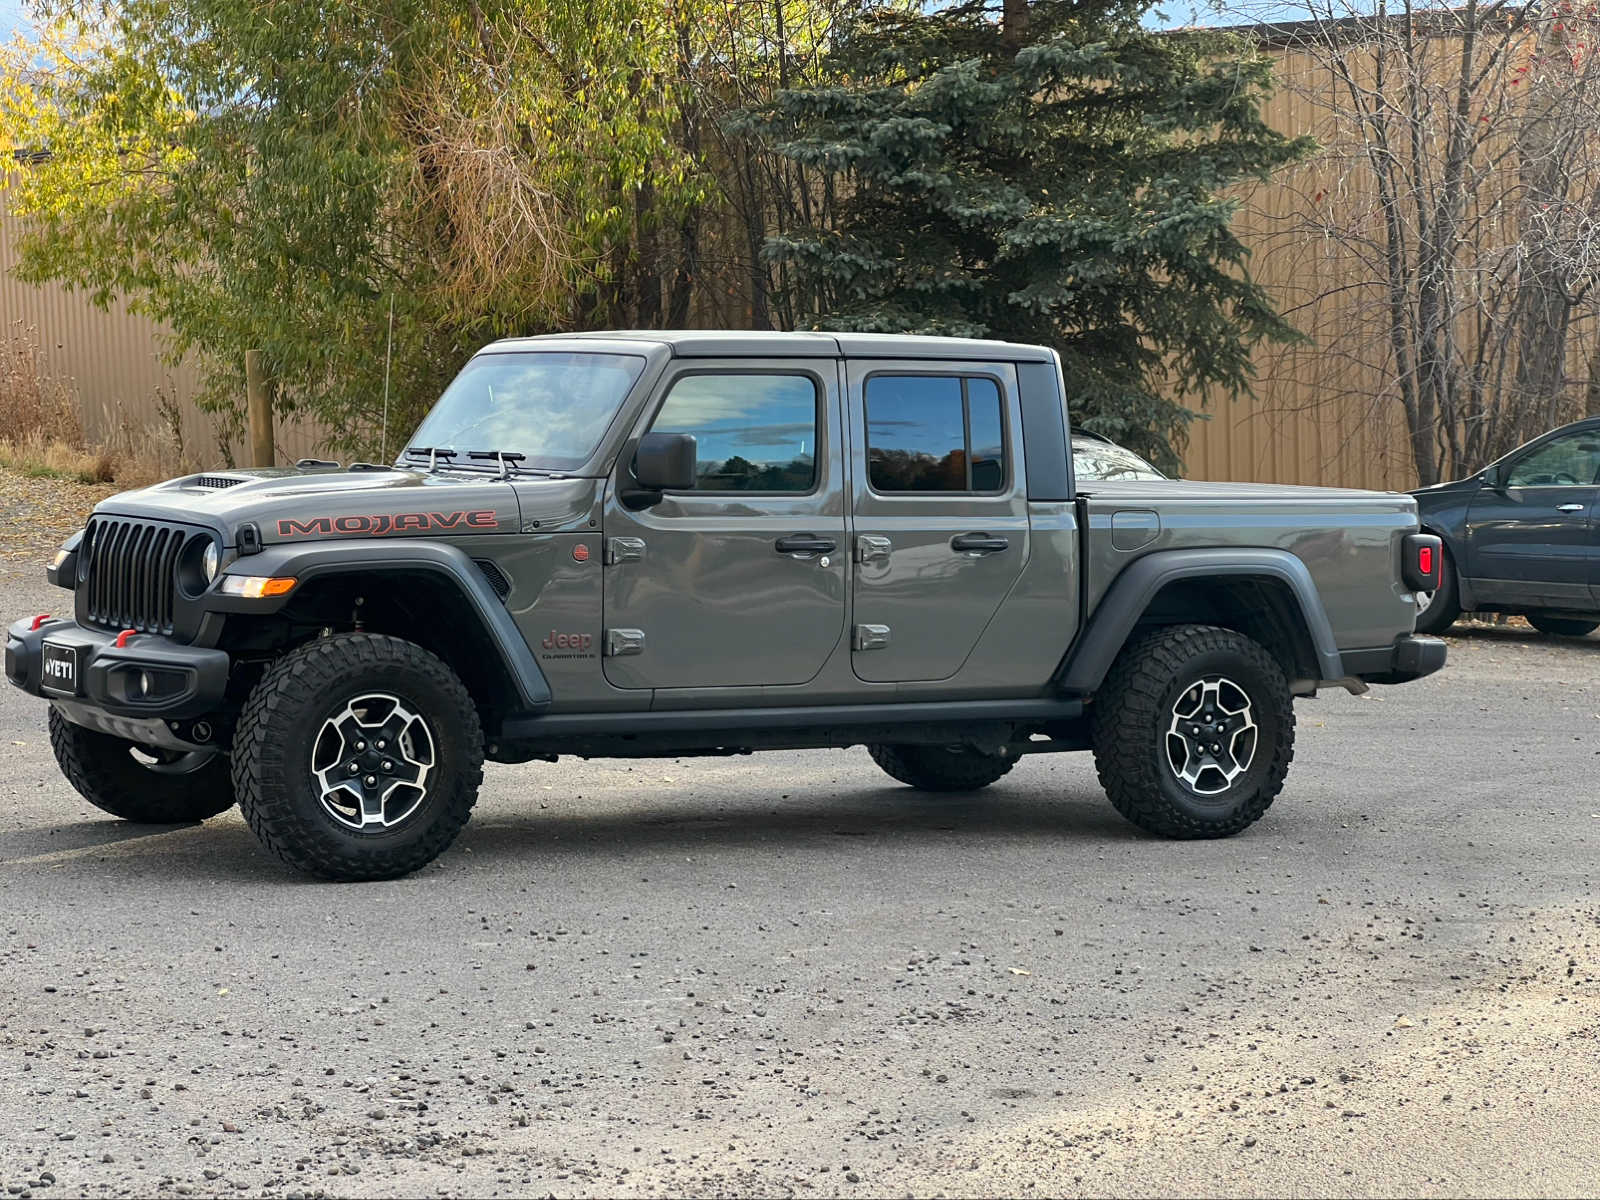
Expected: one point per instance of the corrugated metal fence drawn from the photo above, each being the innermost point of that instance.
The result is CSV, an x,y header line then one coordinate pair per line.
x,y
114,361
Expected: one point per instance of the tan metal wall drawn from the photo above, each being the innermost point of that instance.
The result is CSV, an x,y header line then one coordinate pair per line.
x,y
1322,413
113,359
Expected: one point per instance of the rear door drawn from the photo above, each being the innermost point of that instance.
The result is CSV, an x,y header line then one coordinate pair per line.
x,y
1532,539
740,581
940,518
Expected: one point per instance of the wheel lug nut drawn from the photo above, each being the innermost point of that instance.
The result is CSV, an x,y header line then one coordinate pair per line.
x,y
382,744
387,765
372,780
355,769
361,745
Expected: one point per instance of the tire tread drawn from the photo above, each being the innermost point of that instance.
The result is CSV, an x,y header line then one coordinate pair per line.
x,y
1129,705
260,770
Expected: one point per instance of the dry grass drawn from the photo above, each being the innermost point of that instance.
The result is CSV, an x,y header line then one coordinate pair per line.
x,y
41,434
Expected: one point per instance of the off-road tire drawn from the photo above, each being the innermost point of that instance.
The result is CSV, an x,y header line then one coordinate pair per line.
x,y
940,768
1575,627
1132,713
106,773
1446,606
275,739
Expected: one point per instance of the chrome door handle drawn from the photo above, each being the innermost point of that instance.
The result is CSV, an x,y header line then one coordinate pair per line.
x,y
805,543
978,543
1570,507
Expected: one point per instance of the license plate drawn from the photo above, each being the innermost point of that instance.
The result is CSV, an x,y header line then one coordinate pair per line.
x,y
59,671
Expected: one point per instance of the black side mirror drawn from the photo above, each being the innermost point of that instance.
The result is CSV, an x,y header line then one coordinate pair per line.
x,y
663,462
666,462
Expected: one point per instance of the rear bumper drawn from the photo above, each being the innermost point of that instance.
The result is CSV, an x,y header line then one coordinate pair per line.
x,y
150,678
1411,657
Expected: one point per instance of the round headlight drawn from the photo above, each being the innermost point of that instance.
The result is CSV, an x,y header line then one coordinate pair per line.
x,y
211,561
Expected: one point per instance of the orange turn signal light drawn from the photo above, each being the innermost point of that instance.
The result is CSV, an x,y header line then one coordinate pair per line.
x,y
257,587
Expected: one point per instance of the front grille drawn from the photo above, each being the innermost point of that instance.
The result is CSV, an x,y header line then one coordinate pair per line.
x,y
131,573
216,481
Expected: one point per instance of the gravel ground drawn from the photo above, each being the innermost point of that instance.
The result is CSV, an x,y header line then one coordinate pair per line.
x,y
784,975
36,513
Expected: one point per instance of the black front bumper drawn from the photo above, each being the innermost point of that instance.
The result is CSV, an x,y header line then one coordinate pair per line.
x,y
1411,657
150,678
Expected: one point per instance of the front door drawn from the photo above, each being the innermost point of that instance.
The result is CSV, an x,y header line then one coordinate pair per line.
x,y
940,530
1532,538
740,581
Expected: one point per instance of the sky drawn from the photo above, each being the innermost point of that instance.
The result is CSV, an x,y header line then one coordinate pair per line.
x,y
10,15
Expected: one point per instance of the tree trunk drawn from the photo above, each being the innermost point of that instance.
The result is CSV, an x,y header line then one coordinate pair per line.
x,y
647,264
1014,25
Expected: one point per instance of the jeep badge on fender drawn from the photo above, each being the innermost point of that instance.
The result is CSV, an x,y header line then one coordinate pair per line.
x,y
809,540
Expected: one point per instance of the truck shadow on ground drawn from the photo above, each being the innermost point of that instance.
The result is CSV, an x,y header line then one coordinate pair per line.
x,y
884,815
502,831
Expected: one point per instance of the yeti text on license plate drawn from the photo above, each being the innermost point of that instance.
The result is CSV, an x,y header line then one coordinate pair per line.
x,y
59,671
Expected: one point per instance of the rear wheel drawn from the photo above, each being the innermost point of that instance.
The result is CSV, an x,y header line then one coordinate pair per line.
x,y
358,756
140,783
1193,731
940,768
1562,626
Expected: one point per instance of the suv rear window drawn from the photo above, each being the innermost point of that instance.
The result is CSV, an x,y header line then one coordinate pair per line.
x,y
935,433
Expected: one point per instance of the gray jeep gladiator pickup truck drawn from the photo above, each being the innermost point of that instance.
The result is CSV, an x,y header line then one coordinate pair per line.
x,y
669,544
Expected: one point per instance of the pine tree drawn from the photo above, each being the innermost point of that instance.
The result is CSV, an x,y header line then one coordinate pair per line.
x,y
1042,172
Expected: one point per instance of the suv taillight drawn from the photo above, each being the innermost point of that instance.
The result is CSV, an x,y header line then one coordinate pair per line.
x,y
1420,556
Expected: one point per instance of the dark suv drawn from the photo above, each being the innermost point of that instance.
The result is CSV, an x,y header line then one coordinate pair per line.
x,y
1521,536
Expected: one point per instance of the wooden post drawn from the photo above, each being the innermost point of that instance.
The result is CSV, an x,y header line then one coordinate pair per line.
x,y
258,394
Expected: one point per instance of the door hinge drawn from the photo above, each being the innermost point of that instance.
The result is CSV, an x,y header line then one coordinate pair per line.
x,y
871,637
622,642
872,548
624,549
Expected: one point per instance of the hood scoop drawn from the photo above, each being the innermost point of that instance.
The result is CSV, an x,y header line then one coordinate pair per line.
x,y
216,481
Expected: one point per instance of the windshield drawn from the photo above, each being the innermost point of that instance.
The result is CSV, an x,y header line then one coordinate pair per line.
x,y
1105,460
552,406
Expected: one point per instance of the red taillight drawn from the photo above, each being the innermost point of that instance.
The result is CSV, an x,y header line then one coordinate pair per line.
x,y
1425,561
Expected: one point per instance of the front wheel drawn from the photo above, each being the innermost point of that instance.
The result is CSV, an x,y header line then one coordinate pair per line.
x,y
140,783
1562,626
1193,731
358,756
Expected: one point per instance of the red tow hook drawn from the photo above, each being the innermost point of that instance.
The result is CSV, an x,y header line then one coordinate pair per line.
x,y
38,621
122,638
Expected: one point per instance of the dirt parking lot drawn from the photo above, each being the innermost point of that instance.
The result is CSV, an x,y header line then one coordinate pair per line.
x,y
783,975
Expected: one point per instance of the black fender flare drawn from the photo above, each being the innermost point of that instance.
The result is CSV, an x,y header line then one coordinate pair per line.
x,y
1106,631
363,556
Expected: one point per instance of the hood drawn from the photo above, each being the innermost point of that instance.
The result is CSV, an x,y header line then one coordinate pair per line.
x,y
319,503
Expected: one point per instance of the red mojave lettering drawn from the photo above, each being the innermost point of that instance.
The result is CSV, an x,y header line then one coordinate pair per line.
x,y
379,524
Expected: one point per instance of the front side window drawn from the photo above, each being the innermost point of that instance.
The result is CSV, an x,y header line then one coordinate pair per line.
x,y
552,406
935,433
1567,461
754,432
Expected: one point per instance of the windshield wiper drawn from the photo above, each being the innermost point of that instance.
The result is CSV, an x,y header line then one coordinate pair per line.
x,y
433,455
508,459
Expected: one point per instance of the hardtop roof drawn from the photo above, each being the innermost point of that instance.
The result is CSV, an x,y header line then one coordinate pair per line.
x,y
747,343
